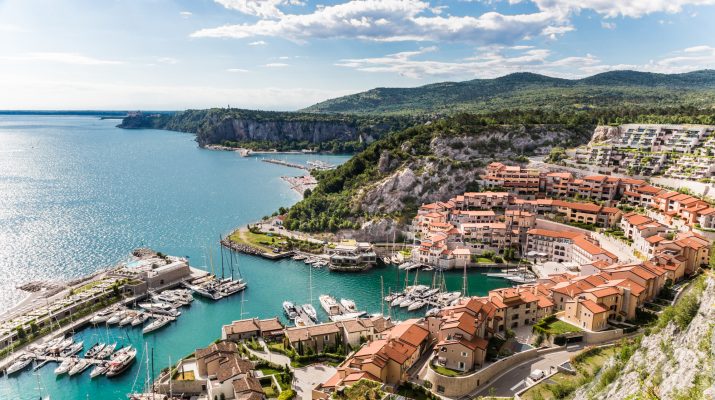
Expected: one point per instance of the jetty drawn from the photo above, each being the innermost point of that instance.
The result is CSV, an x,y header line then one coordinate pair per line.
x,y
285,163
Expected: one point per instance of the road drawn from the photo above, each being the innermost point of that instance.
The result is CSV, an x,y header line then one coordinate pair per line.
x,y
514,379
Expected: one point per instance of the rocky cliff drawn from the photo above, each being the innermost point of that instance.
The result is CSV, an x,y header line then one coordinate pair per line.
x,y
605,133
674,363
219,126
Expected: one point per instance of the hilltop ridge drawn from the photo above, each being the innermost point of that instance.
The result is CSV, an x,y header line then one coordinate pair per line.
x,y
527,90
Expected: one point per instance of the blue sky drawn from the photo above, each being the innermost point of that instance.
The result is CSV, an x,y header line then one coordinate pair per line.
x,y
288,54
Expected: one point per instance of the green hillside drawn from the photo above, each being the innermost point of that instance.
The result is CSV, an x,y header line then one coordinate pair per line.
x,y
530,91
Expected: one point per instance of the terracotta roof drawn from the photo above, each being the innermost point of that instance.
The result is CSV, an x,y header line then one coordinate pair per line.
x,y
603,291
636,219
220,347
247,384
409,332
231,367
593,307
299,334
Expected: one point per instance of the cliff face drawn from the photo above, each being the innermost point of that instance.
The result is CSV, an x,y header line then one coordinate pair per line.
x,y
673,364
215,126
454,164
604,133
239,130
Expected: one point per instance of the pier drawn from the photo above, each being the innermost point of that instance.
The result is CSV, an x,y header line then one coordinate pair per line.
x,y
285,163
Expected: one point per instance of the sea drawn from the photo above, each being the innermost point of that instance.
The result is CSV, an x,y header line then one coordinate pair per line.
x,y
78,194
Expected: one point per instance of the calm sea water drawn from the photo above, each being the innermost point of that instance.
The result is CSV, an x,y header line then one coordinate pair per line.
x,y
77,194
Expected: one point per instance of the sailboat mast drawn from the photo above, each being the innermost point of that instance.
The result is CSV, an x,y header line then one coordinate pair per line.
x,y
382,296
220,246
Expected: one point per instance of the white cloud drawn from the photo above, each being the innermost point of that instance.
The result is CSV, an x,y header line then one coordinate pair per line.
x,y
618,8
608,25
386,20
258,43
237,70
59,57
496,61
185,14
275,65
259,8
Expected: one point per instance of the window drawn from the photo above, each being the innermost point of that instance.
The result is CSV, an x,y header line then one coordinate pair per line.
x,y
460,365
326,338
464,354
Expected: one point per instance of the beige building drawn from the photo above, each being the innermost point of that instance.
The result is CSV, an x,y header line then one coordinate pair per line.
x,y
316,338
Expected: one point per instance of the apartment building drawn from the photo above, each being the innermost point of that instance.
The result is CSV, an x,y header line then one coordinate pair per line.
x,y
564,246
587,213
520,181
514,308
316,338
460,333
645,233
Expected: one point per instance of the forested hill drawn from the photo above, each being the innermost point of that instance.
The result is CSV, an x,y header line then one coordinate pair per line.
x,y
530,91
274,130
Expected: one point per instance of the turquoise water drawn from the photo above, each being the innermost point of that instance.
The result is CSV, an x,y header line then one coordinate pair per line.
x,y
77,194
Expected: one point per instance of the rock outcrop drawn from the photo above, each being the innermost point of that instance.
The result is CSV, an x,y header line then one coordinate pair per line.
x,y
670,364
605,133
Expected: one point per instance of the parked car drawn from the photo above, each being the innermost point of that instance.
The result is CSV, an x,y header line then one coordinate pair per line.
x,y
536,375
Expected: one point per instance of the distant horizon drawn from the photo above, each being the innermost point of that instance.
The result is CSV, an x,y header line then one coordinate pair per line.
x,y
129,109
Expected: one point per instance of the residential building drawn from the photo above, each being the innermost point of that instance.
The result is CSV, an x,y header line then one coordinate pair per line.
x,y
252,328
520,181
318,338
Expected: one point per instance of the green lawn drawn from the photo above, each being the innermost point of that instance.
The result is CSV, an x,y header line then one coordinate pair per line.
x,y
554,326
482,260
445,371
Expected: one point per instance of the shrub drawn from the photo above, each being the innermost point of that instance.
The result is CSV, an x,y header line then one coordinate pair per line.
x,y
287,394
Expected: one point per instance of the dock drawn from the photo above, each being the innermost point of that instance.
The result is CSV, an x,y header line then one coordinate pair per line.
x,y
285,163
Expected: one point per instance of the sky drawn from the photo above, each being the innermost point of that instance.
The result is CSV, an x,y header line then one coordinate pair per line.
x,y
289,54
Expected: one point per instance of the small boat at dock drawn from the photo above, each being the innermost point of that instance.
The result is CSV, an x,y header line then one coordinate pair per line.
x,y
156,324
99,369
79,367
20,364
290,310
349,305
310,311
329,304
160,308
106,351
65,366
120,363
416,305
102,316
94,350
140,319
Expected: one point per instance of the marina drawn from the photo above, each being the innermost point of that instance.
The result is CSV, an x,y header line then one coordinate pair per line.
x,y
151,205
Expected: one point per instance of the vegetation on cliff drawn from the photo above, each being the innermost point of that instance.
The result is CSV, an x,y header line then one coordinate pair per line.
x,y
263,130
451,149
528,91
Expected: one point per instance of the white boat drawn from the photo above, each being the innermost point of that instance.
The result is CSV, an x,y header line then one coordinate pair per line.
x,y
156,324
78,368
299,321
391,297
73,349
329,304
348,316
299,257
121,363
94,350
160,308
20,364
101,316
405,265
65,366
63,344
115,318
416,305
407,302
449,297
290,310
429,293
310,311
140,319
349,305
397,300
99,369
106,351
